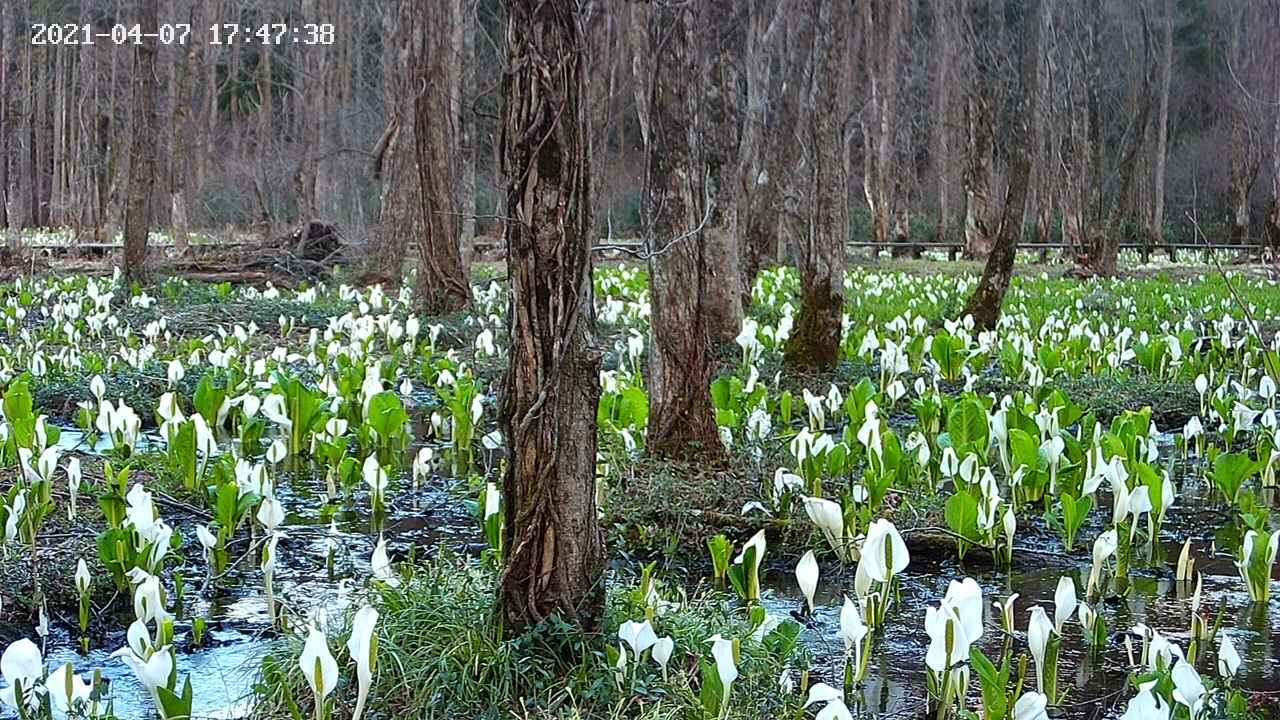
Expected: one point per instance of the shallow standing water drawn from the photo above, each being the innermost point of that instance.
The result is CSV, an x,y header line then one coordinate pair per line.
x,y
431,519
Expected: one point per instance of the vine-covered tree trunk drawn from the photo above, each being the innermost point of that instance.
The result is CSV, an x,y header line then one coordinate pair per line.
x,y
815,339
555,557
681,415
987,298
142,149
442,280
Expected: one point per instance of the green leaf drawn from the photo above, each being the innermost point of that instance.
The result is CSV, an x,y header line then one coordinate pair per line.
x,y
967,424
961,514
387,416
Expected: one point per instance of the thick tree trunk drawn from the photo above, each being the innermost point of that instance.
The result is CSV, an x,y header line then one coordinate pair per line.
x,y
443,286
681,415
884,23
815,339
142,150
395,157
719,137
980,205
987,298
759,147
555,557
400,212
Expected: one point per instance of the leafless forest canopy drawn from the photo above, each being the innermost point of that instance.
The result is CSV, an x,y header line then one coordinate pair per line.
x,y
1146,111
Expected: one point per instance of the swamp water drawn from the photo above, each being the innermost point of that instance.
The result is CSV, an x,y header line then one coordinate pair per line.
x,y
432,519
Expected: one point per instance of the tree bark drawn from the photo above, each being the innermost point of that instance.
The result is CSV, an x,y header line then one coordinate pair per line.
x,y
676,212
1155,234
142,150
980,206
815,339
719,135
885,22
759,148
555,557
988,296
467,133
1273,221
944,35
395,157
180,148
442,281
8,132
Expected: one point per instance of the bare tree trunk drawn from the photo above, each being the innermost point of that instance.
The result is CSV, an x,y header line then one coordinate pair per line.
x,y
142,150
1246,158
676,211
8,133
1155,233
309,106
1273,222
944,35
815,340
180,147
759,146
555,556
395,156
442,281
884,24
718,134
1104,247
988,296
467,133
980,206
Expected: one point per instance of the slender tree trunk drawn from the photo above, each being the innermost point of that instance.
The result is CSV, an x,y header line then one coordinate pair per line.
x,y
442,281
681,416
266,128
142,150
8,133
467,133
1104,247
988,296
555,556
1155,233
944,35
309,107
179,150
1273,221
1246,157
815,340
